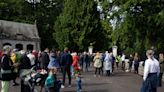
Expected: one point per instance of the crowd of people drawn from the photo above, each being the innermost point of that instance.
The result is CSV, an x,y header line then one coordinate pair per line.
x,y
15,63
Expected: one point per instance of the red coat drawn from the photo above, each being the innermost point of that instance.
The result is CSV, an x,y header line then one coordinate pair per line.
x,y
75,62
0,54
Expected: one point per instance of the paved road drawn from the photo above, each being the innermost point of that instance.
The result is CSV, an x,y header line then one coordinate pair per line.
x,y
118,82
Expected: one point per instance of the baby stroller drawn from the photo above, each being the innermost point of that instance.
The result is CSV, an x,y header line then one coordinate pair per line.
x,y
31,79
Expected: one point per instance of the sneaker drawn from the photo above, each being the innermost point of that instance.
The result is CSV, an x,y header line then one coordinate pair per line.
x,y
62,86
95,76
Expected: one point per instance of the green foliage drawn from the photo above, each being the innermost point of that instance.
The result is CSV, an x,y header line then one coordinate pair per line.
x,y
142,27
46,13
79,25
42,13
15,10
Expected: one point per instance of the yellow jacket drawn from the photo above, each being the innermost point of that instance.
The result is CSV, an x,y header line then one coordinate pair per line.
x,y
13,57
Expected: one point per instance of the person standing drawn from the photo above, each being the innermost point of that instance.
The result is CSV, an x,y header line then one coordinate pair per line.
x,y
35,53
14,57
123,62
136,63
66,62
130,62
44,59
75,61
58,58
108,63
113,61
161,61
77,72
97,64
151,73
81,63
32,58
118,59
102,61
53,60
86,60
25,66
78,81
6,69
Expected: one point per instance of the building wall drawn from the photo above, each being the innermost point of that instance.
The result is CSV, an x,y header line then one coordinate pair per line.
x,y
36,45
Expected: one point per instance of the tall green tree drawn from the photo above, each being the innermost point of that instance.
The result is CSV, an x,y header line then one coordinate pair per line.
x,y
142,25
16,10
43,13
46,14
78,26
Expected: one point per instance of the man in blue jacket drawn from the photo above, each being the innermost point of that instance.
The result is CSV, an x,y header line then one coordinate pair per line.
x,y
66,62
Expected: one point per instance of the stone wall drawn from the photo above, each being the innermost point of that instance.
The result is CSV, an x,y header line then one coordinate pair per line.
x,y
36,45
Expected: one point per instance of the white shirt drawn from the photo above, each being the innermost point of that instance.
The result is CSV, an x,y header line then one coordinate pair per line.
x,y
32,58
151,66
123,58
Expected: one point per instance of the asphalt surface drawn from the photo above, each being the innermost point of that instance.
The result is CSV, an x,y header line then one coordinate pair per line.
x,y
119,81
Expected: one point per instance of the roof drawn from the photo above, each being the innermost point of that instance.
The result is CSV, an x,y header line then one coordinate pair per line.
x,y
15,28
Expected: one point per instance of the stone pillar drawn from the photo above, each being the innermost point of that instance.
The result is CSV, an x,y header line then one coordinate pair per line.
x,y
114,50
90,49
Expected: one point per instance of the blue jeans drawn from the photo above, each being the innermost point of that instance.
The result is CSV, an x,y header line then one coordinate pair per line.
x,y
78,82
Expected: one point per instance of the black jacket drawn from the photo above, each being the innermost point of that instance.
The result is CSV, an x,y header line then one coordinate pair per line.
x,y
25,62
6,65
66,60
44,59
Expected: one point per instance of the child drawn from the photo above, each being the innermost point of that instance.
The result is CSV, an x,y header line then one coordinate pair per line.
x,y
78,81
51,83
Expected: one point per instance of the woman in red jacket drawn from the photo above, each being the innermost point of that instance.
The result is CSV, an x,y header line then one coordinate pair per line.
x,y
75,62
